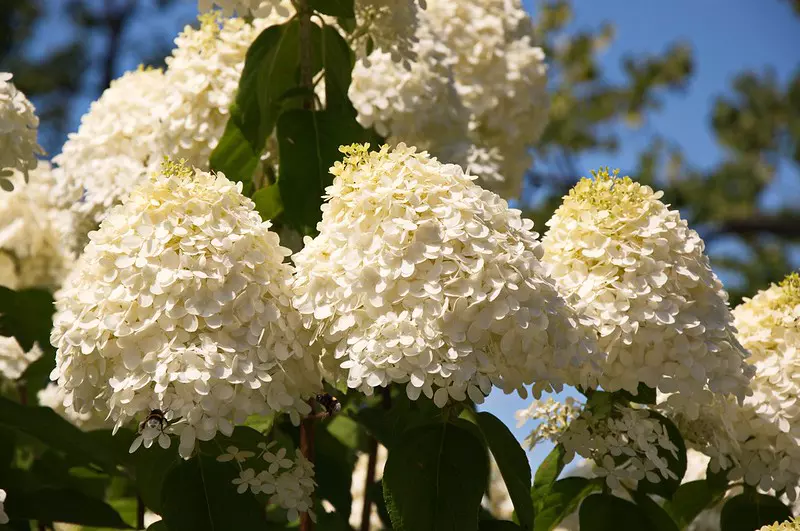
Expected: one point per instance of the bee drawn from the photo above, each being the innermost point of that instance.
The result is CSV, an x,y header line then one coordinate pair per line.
x,y
330,403
155,420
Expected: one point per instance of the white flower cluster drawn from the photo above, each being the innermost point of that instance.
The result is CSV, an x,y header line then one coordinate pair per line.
x,y
258,8
3,516
474,95
633,266
390,25
115,148
18,129
789,525
181,303
53,396
624,445
148,114
420,276
555,418
14,360
33,247
768,427
288,482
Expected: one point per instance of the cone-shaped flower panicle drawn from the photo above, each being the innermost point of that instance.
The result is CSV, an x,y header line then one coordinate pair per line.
x,y
18,130
419,275
181,303
632,265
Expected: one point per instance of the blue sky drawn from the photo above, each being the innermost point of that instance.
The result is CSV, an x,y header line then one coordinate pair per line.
x,y
727,37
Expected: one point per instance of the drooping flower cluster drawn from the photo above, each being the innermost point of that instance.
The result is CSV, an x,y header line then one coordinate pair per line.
x,y
18,129
33,246
181,303
53,396
115,148
555,417
419,276
13,359
632,265
767,426
477,78
288,482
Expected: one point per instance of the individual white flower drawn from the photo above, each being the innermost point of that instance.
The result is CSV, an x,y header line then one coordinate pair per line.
x,y
258,8
53,396
234,454
3,516
114,149
181,303
14,360
18,129
420,276
555,418
203,75
358,488
247,480
33,241
633,266
147,435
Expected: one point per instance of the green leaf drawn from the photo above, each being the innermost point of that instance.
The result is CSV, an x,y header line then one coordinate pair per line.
x,y
308,143
334,8
26,315
334,470
434,479
498,525
376,495
644,395
37,375
348,432
604,512
550,468
151,467
62,505
49,428
751,510
198,496
270,70
338,62
659,519
691,499
556,501
268,202
667,487
389,426
158,526
513,465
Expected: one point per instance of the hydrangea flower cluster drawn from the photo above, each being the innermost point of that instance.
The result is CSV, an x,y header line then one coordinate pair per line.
x,y
628,433
258,8
288,482
477,78
181,303
14,360
419,276
114,149
633,266
33,247
391,27
767,426
555,418
18,131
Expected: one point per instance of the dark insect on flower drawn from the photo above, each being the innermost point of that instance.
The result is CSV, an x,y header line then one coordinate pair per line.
x,y
330,403
155,420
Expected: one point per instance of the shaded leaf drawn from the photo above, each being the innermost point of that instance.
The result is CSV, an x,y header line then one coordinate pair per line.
x,y
334,8
550,468
334,470
268,202
644,394
691,499
498,525
666,487
752,510
513,465
605,512
659,519
151,467
71,506
556,501
434,479
197,495
26,315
